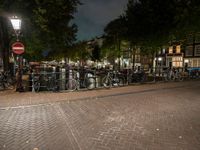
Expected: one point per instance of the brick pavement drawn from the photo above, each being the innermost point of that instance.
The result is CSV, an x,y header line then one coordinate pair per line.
x,y
152,117
11,98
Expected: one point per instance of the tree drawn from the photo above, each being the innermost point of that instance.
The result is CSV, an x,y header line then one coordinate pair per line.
x,y
151,24
115,32
4,42
53,18
96,53
46,24
187,18
150,21
156,22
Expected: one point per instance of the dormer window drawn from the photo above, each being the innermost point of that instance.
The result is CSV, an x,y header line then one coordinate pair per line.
x,y
171,50
178,49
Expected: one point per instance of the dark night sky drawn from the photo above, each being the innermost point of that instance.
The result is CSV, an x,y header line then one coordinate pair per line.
x,y
93,16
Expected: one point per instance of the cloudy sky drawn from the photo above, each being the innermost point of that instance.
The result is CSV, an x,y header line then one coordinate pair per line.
x,y
93,16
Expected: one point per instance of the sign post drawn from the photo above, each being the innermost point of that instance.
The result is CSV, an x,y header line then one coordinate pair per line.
x,y
18,49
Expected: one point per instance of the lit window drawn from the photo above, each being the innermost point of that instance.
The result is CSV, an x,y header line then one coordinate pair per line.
x,y
190,63
178,49
177,62
198,63
163,51
171,50
195,63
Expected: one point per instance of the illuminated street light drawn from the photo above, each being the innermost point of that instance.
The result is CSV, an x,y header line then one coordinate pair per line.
x,y
160,59
16,23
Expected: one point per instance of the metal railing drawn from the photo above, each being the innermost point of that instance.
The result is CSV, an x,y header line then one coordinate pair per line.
x,y
88,79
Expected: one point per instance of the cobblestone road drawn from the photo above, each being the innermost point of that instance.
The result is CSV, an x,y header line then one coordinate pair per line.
x,y
146,117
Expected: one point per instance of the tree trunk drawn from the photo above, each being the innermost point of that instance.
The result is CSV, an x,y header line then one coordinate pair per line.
x,y
4,42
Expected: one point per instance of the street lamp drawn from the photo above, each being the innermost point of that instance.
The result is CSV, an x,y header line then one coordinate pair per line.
x,y
16,23
160,59
160,65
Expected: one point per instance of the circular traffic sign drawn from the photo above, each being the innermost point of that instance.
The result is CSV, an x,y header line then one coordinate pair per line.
x,y
18,48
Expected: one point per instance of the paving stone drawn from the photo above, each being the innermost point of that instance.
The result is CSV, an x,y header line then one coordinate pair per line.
x,y
165,118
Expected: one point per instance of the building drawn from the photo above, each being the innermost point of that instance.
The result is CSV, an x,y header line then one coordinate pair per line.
x,y
192,51
141,59
175,55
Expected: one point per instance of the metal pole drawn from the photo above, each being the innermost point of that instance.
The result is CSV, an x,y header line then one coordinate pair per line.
x,y
19,86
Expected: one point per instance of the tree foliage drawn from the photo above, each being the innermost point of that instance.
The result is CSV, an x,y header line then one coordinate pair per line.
x,y
115,32
151,24
46,23
96,53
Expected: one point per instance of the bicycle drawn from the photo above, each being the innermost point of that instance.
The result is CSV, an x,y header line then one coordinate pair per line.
x,y
52,84
71,81
86,79
36,83
137,77
6,81
168,75
176,75
113,78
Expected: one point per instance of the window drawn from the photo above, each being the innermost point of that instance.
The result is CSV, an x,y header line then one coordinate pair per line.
x,y
163,50
178,49
137,58
197,50
197,38
177,62
195,63
189,51
189,62
171,50
198,62
190,39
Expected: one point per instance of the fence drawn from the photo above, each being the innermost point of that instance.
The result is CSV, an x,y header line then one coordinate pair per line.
x,y
88,79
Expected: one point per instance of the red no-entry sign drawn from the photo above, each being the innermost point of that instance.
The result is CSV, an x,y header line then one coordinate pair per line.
x,y
18,48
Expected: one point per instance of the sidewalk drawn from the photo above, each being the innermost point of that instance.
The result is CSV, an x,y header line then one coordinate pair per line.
x,y
13,99
162,116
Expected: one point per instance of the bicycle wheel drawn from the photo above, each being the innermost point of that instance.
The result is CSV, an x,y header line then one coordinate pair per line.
x,y
143,78
180,77
106,82
8,85
130,80
90,83
10,82
166,77
50,85
121,81
71,85
2,87
37,86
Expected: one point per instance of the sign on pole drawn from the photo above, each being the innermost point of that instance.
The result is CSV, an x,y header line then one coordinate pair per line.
x,y
18,48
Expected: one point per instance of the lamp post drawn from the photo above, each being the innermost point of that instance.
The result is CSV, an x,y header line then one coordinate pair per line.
x,y
160,65
16,23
